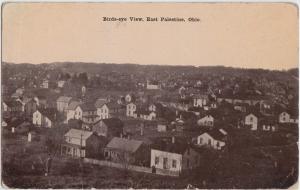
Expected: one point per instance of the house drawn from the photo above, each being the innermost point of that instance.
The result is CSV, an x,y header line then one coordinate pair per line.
x,y
62,103
147,115
207,120
131,110
146,112
174,156
89,113
41,101
288,117
45,83
215,139
129,98
61,83
111,127
126,151
74,111
108,110
266,107
84,144
44,117
20,126
200,100
162,126
152,85
30,107
242,107
12,107
251,120
268,124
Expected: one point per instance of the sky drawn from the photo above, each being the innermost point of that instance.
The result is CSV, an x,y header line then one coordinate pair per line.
x,y
245,35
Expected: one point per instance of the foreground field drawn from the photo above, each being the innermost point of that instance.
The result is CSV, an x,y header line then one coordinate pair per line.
x,y
255,167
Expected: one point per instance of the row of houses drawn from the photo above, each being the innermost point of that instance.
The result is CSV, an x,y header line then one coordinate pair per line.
x,y
172,156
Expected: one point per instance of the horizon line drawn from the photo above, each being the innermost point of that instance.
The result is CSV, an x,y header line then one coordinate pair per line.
x,y
186,65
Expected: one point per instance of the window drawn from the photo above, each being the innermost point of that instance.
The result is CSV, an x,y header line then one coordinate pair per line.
x,y
165,162
251,119
156,160
218,144
209,141
200,140
174,163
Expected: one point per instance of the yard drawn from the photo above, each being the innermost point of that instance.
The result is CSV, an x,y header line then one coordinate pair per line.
x,y
24,167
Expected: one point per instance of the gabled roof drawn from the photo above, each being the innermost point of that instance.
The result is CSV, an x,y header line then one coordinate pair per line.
x,y
100,102
73,105
50,113
65,99
76,133
124,144
176,147
112,122
88,106
217,134
13,103
268,120
113,105
202,96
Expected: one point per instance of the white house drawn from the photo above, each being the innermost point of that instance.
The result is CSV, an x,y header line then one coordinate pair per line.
x,y
174,157
200,100
129,98
131,110
215,139
207,120
45,84
74,111
252,121
103,112
152,85
152,107
147,115
44,118
61,83
80,143
285,117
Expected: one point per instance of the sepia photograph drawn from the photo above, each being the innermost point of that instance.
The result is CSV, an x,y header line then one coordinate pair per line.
x,y
149,95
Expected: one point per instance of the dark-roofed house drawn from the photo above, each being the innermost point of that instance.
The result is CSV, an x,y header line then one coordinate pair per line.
x,y
108,110
62,103
126,151
111,127
13,107
89,113
30,107
80,143
44,117
215,138
268,124
175,156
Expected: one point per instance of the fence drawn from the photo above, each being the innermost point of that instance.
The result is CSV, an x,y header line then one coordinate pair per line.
x,y
131,167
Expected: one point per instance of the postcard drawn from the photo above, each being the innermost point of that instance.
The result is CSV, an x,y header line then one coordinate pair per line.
x,y
149,95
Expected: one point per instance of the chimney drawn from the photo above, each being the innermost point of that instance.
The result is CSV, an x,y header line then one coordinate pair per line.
x,y
173,139
142,129
180,116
